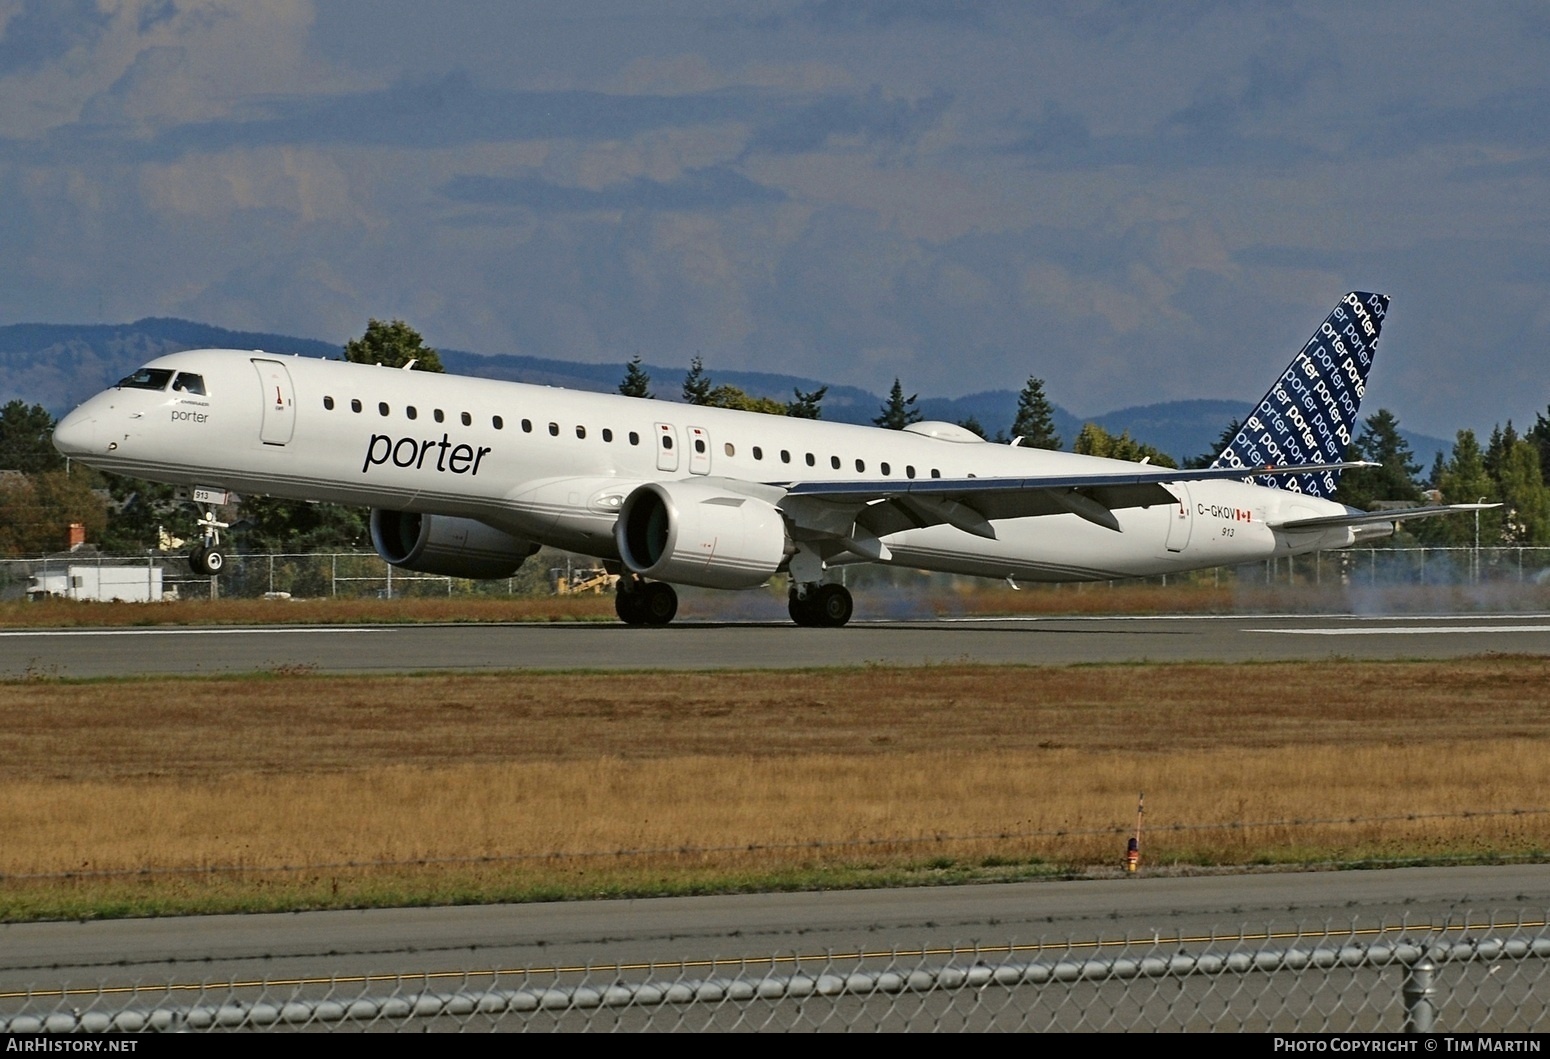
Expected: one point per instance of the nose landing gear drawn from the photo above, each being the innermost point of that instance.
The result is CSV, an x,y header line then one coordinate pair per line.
x,y
207,558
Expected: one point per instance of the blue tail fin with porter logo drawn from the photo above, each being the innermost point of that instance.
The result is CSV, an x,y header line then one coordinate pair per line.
x,y
1309,415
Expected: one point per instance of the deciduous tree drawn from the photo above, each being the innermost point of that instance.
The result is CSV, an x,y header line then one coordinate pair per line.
x,y
393,344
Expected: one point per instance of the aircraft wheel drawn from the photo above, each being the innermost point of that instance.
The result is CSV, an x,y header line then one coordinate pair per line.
x,y
658,603
831,606
207,561
628,606
801,610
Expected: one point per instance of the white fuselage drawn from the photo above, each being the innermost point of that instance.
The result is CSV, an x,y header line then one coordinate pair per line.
x,y
553,466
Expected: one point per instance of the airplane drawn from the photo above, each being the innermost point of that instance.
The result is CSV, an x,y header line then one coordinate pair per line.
x,y
468,477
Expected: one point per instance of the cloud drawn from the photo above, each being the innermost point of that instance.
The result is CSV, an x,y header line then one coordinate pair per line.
x,y
870,117
710,188
44,31
861,15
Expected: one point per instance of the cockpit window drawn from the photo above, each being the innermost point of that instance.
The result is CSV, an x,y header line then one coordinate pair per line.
x,y
188,382
147,379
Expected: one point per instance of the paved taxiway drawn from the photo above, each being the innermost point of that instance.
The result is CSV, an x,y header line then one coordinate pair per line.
x,y
754,926
705,645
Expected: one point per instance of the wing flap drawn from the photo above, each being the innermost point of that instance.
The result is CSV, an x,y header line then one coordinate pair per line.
x,y
972,504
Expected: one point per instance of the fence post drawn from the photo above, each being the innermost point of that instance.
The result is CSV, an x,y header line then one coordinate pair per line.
x,y
1419,990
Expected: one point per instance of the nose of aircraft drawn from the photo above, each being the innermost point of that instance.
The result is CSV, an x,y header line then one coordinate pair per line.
x,y
75,434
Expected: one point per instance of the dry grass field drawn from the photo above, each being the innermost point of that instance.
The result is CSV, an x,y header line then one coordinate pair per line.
x,y
969,596
293,790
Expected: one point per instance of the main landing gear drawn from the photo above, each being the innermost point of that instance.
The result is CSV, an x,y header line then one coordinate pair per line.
x,y
208,559
639,602
822,606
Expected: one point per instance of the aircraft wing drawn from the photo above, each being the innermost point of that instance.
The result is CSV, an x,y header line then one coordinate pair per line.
x,y
970,504
1366,518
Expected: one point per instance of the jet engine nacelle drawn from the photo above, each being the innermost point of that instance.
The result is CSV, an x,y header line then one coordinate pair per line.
x,y
692,533
441,544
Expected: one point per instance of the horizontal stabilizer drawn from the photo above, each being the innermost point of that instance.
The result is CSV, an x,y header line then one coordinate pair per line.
x,y
1367,518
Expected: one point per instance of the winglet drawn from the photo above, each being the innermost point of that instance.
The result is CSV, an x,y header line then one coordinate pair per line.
x,y
1309,415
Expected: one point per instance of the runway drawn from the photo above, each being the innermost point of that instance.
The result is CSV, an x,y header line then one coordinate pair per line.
x,y
754,927
757,927
721,645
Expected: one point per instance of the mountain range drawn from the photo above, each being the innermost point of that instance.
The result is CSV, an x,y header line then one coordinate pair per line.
x,y
60,365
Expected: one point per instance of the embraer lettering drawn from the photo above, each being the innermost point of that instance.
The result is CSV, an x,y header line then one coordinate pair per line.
x,y
411,452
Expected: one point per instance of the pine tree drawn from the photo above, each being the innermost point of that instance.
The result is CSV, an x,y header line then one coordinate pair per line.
x,y
1035,422
1464,481
1540,436
697,386
1206,459
900,411
394,344
1380,442
26,433
636,382
805,404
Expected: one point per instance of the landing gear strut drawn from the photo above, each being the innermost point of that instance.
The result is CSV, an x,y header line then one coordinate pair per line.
x,y
640,602
208,558
823,606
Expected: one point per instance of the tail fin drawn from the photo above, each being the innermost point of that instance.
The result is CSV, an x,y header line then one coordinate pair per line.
x,y
1309,415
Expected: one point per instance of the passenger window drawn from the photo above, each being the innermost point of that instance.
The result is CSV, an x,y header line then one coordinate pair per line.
x,y
527,426
909,470
810,461
189,383
758,453
634,438
885,469
328,403
785,457
382,408
861,466
581,431
608,435
667,441
498,423
355,404
834,461
730,451
468,420
935,473
554,430
439,416
409,411
699,445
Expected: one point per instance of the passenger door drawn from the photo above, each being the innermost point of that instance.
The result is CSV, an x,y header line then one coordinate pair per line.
x,y
667,447
279,423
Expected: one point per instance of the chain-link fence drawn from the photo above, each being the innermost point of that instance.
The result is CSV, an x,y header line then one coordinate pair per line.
x,y
358,574
303,576
1455,977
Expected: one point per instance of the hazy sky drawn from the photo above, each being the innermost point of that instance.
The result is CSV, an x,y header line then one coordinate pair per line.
x,y
1136,201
